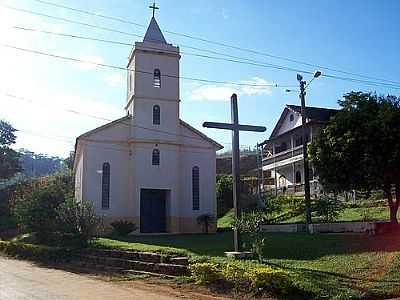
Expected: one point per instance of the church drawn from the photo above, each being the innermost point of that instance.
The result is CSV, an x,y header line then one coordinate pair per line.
x,y
149,167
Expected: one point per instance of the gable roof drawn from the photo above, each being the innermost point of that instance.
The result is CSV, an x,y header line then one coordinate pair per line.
x,y
313,114
154,34
86,134
183,123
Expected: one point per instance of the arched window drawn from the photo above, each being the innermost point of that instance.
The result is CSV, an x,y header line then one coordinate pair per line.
x,y
291,118
298,177
105,186
156,115
196,188
155,161
157,78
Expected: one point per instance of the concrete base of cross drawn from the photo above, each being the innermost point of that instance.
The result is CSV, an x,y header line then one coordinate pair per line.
x,y
239,255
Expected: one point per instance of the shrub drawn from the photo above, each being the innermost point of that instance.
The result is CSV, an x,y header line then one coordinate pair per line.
x,y
123,227
205,272
328,207
265,276
250,224
36,211
206,220
36,252
77,221
235,274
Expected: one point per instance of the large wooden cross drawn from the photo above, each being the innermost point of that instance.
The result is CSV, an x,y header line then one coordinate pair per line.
x,y
235,127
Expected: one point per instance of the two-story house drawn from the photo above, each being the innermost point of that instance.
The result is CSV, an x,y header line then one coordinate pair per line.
x,y
284,149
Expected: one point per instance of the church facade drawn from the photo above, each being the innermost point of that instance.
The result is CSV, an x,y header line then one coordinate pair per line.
x,y
149,167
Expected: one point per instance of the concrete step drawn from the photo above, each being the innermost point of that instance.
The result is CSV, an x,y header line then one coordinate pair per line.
x,y
95,268
137,256
159,268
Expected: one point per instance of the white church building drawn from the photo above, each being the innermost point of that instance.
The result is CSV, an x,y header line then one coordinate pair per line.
x,y
149,167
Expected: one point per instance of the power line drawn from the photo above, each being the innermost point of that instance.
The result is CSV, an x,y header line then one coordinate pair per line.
x,y
241,61
140,71
45,136
190,78
118,19
393,85
31,101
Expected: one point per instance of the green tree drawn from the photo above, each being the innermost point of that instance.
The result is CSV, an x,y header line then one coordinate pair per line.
x,y
360,147
224,190
36,210
9,159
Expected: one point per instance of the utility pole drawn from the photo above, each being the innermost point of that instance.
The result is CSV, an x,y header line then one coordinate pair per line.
x,y
235,127
305,153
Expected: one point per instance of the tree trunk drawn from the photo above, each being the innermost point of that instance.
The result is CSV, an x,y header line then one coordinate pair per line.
x,y
393,205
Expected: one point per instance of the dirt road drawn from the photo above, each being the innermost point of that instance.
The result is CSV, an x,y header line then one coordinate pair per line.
x,y
20,280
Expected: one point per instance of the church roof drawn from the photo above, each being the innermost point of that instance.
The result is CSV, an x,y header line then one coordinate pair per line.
x,y
313,114
154,34
183,123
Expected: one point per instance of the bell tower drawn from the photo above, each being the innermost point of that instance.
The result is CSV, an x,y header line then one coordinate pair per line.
x,y
153,84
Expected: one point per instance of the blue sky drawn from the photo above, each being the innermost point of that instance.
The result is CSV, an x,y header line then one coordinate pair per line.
x,y
356,36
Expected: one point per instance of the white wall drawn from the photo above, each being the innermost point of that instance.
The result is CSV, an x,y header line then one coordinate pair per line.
x,y
287,124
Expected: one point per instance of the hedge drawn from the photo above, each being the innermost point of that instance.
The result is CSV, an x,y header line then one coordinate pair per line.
x,y
245,277
37,252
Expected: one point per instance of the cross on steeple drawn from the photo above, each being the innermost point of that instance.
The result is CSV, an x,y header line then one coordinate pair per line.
x,y
154,7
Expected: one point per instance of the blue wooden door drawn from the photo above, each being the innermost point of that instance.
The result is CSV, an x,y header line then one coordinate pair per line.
x,y
152,211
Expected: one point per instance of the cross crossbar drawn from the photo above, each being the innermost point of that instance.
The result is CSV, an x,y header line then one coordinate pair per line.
x,y
229,126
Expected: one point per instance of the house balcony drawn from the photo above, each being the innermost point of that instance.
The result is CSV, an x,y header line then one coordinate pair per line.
x,y
283,158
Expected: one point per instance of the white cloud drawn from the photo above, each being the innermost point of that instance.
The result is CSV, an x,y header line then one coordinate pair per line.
x,y
256,85
115,80
208,92
212,93
90,62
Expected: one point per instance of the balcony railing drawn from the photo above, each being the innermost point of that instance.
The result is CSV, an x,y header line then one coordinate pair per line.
x,y
283,155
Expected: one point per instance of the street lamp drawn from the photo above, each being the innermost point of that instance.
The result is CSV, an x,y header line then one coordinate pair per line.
x,y
302,95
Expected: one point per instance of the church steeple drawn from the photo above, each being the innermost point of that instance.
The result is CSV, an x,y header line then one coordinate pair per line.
x,y
153,33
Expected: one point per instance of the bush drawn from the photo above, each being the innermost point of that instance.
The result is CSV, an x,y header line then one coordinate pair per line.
x,y
205,272
250,224
36,252
77,222
123,227
265,276
234,273
206,220
36,211
329,208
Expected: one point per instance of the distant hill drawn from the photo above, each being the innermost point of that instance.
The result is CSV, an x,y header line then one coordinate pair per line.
x,y
38,165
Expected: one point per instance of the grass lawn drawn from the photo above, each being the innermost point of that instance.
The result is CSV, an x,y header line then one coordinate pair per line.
x,y
354,214
331,266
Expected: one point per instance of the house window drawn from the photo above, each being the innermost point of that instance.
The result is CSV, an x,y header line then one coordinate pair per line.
x,y
196,188
156,115
157,78
155,161
298,177
105,186
291,118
